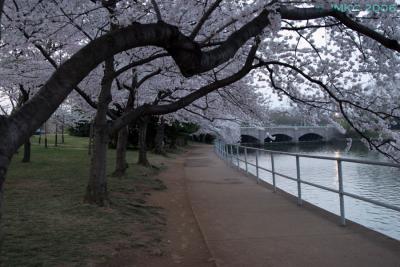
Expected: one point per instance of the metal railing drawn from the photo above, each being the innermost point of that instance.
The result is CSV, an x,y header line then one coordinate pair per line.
x,y
227,151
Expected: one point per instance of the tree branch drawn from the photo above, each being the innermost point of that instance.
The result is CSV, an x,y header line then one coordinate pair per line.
x,y
1,12
293,13
138,63
148,76
52,62
187,100
203,19
157,10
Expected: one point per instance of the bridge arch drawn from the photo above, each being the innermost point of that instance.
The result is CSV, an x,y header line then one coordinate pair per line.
x,y
279,138
310,137
244,138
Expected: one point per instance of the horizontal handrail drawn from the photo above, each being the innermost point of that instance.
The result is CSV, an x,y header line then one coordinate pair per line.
x,y
378,203
229,154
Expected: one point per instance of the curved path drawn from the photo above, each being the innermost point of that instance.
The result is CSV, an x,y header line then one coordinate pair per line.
x,y
246,224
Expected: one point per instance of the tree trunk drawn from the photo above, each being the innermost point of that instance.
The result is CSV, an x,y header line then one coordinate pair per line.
x,y
62,133
45,134
96,191
91,136
1,11
142,142
123,134
56,136
172,145
159,139
27,151
121,165
4,164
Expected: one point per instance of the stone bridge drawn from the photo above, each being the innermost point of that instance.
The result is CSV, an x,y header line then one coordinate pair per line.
x,y
288,134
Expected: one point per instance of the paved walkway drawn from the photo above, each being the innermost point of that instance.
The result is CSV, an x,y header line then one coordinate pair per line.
x,y
245,224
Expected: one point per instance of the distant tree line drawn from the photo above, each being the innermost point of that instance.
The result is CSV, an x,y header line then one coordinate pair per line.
x,y
169,135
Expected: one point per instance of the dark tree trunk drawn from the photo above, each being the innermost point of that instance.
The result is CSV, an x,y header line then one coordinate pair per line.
x,y
62,133
40,136
121,165
142,142
45,135
122,142
56,136
172,144
1,11
4,161
159,139
27,151
3,172
91,136
4,164
96,191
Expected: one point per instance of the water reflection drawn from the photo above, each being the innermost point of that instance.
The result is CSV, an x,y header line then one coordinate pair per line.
x,y
375,182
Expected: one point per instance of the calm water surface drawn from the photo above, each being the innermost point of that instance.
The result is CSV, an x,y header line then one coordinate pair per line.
x,y
375,182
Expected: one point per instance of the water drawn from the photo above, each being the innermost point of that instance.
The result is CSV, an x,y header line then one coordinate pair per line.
x,y
374,182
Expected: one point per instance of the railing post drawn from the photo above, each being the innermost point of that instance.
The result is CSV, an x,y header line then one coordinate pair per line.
x,y
245,158
341,198
225,151
232,156
273,172
258,178
237,156
228,152
231,153
299,200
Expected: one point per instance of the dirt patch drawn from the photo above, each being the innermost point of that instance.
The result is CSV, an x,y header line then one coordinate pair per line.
x,y
182,243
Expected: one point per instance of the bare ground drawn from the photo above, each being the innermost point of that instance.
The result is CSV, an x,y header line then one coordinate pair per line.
x,y
182,243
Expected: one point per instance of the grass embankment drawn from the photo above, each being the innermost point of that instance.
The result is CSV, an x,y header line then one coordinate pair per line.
x,y
46,222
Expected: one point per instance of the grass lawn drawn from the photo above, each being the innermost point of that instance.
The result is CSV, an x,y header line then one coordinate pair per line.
x,y
46,222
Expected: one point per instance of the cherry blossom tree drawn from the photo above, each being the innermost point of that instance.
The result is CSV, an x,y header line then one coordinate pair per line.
x,y
316,55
